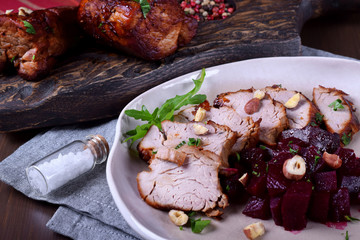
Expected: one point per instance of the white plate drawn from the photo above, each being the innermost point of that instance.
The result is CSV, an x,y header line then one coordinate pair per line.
x,y
300,73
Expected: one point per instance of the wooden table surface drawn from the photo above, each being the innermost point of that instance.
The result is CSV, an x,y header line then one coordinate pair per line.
x,y
24,218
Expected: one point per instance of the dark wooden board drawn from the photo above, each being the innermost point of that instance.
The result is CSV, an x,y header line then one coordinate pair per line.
x,y
94,82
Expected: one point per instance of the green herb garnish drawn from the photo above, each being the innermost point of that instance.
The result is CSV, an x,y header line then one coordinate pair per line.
x,y
351,219
319,117
257,174
238,157
347,235
100,25
181,228
33,57
198,225
194,142
316,161
29,28
335,105
313,124
166,111
227,188
293,151
267,168
154,152
262,147
180,145
12,59
145,6
346,138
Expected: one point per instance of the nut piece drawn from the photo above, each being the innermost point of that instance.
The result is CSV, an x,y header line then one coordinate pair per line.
x,y
199,129
333,160
178,217
254,230
259,94
200,114
252,106
23,11
9,11
244,179
293,101
294,168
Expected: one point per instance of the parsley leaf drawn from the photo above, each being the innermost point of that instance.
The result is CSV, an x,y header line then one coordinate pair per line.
x,y
238,157
166,111
262,147
181,228
335,105
293,151
33,57
351,219
316,161
227,188
347,235
194,142
256,173
12,59
29,28
319,117
198,225
180,145
346,139
145,6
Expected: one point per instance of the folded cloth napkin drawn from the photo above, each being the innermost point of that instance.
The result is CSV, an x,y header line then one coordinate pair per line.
x,y
87,209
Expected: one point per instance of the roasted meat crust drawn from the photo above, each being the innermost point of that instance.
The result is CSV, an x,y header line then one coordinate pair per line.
x,y
121,24
33,52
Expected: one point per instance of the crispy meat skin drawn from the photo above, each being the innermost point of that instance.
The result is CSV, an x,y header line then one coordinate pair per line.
x,y
56,31
121,24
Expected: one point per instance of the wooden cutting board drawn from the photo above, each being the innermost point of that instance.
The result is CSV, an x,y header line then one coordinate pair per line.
x,y
94,82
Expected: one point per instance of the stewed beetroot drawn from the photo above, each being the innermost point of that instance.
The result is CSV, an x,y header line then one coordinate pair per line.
x,y
339,205
325,181
319,206
295,204
322,195
258,208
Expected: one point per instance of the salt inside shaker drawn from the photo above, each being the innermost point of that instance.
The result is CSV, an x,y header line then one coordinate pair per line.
x,y
67,163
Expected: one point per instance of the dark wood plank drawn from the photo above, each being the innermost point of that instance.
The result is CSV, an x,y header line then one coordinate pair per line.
x,y
96,83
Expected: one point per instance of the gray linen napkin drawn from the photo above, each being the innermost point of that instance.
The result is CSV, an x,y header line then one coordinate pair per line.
x,y
88,210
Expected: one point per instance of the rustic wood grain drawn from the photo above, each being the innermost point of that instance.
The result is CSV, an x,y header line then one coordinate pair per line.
x,y
95,82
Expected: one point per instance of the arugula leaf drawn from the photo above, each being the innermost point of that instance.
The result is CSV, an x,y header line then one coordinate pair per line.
x,y
166,111
29,28
198,225
335,105
145,6
346,139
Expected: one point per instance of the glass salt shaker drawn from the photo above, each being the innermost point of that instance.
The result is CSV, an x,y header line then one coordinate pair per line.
x,y
67,163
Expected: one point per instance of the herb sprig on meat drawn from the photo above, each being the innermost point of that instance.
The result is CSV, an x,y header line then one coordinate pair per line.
x,y
166,111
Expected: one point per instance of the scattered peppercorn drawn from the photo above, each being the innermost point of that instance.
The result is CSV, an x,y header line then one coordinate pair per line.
x,y
204,10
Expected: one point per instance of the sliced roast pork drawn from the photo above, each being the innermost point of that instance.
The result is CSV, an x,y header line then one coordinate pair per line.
x,y
299,116
216,138
272,113
193,186
246,129
338,111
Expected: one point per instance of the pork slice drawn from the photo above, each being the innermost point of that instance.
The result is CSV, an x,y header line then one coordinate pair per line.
x,y
219,139
194,186
272,113
343,121
299,116
246,129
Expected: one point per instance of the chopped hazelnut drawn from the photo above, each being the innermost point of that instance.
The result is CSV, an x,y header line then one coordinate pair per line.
x,y
199,129
244,179
294,168
9,11
259,94
23,11
293,101
332,160
200,114
179,218
254,230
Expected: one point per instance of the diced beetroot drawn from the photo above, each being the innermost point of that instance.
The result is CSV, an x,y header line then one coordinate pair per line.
x,y
276,182
284,143
252,156
339,205
313,158
275,208
325,181
257,185
321,139
352,183
319,206
231,185
294,205
258,208
350,164
259,168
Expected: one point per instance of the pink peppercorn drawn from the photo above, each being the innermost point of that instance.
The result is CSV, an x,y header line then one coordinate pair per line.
x,y
230,10
215,9
222,5
221,11
183,4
